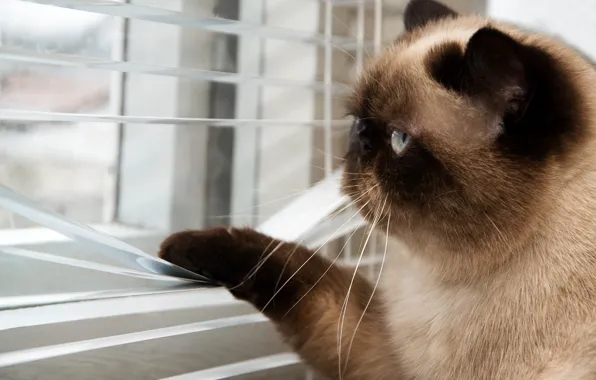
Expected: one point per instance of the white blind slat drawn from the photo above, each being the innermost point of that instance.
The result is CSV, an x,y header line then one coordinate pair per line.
x,y
32,301
114,303
83,264
306,211
214,24
47,352
241,368
42,116
341,225
66,60
91,239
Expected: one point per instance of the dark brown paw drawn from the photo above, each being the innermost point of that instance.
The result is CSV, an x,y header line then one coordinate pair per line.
x,y
203,252
266,272
227,256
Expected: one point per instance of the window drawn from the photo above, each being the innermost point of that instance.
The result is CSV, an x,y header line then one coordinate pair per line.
x,y
146,117
69,167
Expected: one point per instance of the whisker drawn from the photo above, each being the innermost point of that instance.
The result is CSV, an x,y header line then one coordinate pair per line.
x,y
354,201
346,301
328,268
329,154
289,196
293,194
344,172
336,18
304,264
285,266
373,291
262,260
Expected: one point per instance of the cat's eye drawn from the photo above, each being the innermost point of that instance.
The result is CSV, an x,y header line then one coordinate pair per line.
x,y
399,141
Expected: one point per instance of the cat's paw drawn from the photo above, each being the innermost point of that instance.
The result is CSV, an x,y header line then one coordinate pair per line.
x,y
270,274
227,256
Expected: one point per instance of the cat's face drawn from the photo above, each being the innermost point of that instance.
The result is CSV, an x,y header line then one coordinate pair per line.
x,y
459,129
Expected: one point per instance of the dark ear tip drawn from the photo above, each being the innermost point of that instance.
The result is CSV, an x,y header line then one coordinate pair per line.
x,y
410,12
495,61
411,7
419,12
492,42
490,34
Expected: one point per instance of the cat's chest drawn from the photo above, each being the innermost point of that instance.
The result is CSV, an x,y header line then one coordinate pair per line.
x,y
449,332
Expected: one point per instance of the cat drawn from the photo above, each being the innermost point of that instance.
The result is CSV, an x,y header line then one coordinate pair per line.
x,y
474,147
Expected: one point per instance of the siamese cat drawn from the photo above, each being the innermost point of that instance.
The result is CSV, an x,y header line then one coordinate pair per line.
x,y
474,146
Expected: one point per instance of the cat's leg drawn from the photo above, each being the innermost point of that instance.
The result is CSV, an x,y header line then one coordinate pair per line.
x,y
301,292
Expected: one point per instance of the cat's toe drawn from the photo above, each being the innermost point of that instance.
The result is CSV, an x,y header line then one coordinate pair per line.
x,y
213,253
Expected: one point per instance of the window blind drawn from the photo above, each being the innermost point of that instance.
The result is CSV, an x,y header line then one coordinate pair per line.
x,y
63,60
316,217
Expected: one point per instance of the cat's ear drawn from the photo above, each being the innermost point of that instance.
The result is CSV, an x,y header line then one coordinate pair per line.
x,y
420,12
494,70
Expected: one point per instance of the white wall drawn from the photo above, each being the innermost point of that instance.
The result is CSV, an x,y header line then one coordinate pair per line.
x,y
573,20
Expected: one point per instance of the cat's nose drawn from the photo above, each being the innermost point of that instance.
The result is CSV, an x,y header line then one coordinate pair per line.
x,y
359,138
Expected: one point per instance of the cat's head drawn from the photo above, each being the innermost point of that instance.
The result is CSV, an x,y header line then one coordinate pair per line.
x,y
463,129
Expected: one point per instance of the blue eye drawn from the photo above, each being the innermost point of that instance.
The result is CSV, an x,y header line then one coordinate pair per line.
x,y
399,141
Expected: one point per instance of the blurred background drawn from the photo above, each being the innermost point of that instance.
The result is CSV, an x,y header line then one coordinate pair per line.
x,y
142,117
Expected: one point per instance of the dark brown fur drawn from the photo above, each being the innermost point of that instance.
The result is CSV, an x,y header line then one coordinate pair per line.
x,y
493,203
